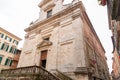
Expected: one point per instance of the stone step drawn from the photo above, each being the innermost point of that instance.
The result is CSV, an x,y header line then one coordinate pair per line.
x,y
62,76
27,73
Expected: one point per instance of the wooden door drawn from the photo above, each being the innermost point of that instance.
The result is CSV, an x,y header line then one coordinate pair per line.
x,y
43,58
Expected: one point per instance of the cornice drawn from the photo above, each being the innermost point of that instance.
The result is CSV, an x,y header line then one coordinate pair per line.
x,y
68,10
50,6
91,27
43,2
44,43
10,34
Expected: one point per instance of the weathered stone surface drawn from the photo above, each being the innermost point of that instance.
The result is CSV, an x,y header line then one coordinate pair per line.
x,y
75,44
27,73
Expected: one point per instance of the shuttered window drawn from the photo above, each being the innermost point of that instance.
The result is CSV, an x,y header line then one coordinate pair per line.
x,y
15,42
1,59
8,38
11,49
1,35
5,37
2,46
15,51
8,62
7,48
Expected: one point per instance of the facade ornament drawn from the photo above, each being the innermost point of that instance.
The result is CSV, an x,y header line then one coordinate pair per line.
x,y
38,31
26,36
76,16
44,43
75,1
31,23
56,24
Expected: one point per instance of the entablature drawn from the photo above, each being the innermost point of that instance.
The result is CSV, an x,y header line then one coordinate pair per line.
x,y
70,11
47,5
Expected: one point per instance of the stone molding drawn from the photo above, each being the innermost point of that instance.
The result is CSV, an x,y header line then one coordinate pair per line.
x,y
57,15
43,2
44,43
10,34
92,29
47,8
81,70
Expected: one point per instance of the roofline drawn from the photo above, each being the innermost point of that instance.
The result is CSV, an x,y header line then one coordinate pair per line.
x,y
72,6
57,15
10,34
91,27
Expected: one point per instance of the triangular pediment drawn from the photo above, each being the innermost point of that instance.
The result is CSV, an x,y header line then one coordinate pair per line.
x,y
44,43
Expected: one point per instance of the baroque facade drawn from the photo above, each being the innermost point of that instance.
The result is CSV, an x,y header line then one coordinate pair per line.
x,y
8,48
64,39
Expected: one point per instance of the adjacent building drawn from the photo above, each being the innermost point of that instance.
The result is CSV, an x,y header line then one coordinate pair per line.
x,y
114,25
63,39
16,59
8,48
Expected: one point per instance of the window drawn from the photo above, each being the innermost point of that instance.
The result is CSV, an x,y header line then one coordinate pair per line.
x,y
49,13
2,46
5,47
8,62
13,50
1,35
15,42
8,38
1,59
47,39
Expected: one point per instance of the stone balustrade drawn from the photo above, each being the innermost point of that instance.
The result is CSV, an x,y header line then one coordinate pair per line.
x,y
31,71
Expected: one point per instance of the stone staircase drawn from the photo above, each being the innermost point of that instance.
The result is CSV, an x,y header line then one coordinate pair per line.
x,y
31,73
27,73
61,75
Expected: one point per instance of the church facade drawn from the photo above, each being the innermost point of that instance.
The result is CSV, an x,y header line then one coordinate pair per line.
x,y
64,39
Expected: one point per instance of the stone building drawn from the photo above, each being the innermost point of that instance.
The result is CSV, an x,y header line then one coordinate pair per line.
x,y
63,39
114,26
16,59
8,48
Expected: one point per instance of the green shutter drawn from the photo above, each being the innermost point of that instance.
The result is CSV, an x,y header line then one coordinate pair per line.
x,y
10,39
2,46
7,48
13,41
6,62
15,50
10,62
0,59
10,49
2,35
5,37
16,42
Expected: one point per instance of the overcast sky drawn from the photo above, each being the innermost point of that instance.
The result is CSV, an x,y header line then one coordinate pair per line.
x,y
15,16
